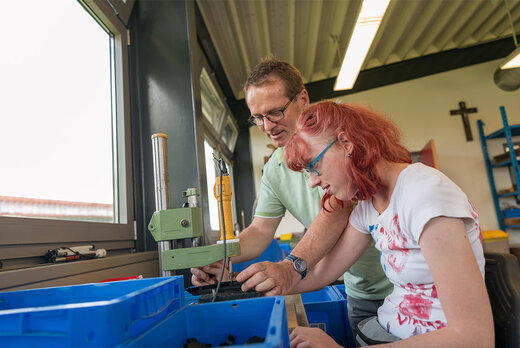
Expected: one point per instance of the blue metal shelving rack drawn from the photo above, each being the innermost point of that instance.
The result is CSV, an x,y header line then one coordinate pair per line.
x,y
508,132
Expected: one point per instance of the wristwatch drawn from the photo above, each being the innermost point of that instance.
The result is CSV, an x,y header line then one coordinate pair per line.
x,y
299,265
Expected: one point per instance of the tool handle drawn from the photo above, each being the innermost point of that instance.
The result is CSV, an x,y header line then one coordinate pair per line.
x,y
226,202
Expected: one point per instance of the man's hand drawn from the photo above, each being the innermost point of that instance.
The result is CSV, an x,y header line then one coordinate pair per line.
x,y
208,275
310,337
270,278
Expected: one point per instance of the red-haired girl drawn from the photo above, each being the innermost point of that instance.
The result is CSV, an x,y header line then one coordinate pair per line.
x,y
425,227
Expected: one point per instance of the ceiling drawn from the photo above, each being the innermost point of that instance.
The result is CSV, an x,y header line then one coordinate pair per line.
x,y
313,35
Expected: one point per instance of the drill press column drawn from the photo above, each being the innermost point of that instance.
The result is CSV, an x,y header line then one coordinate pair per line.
x,y
160,176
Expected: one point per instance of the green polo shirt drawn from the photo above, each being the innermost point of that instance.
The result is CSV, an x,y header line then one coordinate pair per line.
x,y
283,189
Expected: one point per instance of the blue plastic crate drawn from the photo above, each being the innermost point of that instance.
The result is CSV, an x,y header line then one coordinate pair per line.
x,y
189,298
340,290
89,315
211,323
286,248
273,253
326,309
511,213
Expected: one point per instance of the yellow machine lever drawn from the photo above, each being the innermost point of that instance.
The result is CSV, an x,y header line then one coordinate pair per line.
x,y
226,202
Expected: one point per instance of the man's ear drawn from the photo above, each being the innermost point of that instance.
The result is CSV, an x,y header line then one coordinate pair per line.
x,y
305,97
343,140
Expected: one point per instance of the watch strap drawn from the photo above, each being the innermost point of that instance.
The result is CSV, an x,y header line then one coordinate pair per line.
x,y
293,259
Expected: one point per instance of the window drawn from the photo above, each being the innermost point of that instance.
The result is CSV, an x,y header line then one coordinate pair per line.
x,y
211,174
56,124
217,118
230,133
63,151
221,133
212,106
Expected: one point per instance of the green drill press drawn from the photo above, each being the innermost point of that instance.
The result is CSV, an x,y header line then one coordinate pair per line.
x,y
186,223
179,224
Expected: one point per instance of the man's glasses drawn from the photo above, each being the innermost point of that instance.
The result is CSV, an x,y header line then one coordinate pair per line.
x,y
273,116
310,169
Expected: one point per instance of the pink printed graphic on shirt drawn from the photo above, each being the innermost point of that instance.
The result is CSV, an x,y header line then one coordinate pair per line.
x,y
474,215
434,292
416,308
437,324
420,289
396,242
396,264
380,240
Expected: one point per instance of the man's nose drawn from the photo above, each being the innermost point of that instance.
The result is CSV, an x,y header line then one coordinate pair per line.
x,y
314,180
268,125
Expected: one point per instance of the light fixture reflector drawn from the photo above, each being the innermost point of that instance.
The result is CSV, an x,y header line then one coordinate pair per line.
x,y
512,60
367,24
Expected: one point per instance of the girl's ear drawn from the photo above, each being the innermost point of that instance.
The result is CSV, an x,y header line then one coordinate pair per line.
x,y
343,140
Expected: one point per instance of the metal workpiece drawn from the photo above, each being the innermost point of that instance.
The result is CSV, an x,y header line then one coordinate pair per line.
x,y
198,257
160,175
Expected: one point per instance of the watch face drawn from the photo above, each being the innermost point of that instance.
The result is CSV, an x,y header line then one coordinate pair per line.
x,y
300,265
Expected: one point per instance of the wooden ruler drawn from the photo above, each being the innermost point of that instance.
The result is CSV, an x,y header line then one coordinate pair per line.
x,y
296,315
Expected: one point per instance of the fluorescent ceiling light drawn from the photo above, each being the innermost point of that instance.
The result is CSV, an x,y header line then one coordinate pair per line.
x,y
370,16
512,60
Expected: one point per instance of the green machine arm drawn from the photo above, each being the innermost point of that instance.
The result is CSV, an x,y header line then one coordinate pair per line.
x,y
182,223
197,257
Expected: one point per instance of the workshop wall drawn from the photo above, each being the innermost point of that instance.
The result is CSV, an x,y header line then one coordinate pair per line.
x,y
421,108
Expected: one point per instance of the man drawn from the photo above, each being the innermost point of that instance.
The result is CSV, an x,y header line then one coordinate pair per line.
x,y
276,95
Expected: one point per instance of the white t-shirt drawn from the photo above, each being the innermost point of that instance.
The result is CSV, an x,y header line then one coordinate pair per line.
x,y
420,194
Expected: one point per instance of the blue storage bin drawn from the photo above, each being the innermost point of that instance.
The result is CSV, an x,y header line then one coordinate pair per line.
x,y
211,323
326,309
286,249
273,253
340,290
189,298
89,315
510,213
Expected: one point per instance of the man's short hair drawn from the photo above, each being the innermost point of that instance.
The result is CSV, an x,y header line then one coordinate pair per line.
x,y
270,66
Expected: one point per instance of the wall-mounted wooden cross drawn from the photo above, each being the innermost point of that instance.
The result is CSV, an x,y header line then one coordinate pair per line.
x,y
464,112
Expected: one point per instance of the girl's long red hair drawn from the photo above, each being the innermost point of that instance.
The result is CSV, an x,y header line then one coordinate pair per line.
x,y
374,138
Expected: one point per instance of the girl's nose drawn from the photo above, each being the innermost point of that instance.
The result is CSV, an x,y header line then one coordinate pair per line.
x,y
314,180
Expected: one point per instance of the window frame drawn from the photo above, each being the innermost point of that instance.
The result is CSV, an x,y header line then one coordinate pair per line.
x,y
225,118
24,238
214,137
229,120
215,130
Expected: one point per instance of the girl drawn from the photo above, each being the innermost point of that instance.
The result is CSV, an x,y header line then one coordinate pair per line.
x,y
425,227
